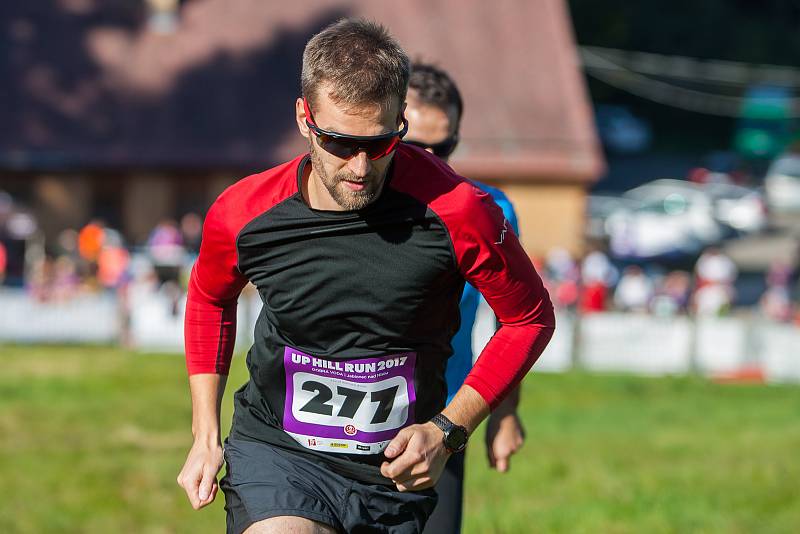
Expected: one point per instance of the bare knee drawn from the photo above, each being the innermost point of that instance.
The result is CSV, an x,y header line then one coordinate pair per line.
x,y
286,524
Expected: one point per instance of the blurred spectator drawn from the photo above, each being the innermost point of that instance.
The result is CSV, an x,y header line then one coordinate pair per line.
x,y
166,243
716,275
53,280
634,290
776,302
564,276
112,266
594,297
3,262
90,240
598,275
112,262
596,267
65,283
192,231
67,242
672,295
90,243
714,267
165,246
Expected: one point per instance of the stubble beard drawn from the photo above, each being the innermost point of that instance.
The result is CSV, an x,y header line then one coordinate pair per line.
x,y
346,198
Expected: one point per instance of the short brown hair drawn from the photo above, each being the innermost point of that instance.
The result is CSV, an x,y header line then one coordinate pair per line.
x,y
435,87
359,58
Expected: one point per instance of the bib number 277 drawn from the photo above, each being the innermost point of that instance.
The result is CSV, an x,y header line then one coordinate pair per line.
x,y
370,406
349,401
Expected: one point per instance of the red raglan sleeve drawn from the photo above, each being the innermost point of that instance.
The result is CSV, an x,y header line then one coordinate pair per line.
x,y
491,258
214,288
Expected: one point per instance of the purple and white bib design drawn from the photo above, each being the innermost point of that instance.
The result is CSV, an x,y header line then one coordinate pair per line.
x,y
348,406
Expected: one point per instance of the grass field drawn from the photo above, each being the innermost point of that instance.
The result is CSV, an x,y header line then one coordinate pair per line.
x,y
91,440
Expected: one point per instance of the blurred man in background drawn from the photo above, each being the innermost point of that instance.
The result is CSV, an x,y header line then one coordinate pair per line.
x,y
434,113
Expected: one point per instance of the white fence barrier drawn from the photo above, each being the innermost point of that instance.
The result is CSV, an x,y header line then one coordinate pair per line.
x,y
780,352
83,319
157,326
721,344
637,343
640,344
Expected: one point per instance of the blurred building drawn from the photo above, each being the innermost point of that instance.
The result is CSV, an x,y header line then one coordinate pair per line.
x,y
133,111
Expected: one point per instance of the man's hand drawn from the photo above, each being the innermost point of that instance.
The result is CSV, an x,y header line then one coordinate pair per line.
x,y
199,474
504,437
417,456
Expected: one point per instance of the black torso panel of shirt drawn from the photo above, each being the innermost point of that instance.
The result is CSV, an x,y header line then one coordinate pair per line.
x,y
339,285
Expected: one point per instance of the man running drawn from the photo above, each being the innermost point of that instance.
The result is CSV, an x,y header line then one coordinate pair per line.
x,y
360,250
434,110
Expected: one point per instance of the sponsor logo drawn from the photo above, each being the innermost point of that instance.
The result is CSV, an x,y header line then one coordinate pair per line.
x,y
350,430
339,445
362,447
502,233
313,443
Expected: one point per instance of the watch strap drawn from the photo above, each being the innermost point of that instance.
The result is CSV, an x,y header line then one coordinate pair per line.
x,y
442,422
448,427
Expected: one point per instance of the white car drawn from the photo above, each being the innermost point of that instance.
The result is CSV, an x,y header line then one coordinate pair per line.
x,y
599,207
741,208
671,220
782,183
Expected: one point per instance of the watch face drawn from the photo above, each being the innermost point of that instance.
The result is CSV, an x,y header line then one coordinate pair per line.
x,y
456,439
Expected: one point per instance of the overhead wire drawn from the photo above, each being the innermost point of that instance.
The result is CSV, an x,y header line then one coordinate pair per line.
x,y
631,71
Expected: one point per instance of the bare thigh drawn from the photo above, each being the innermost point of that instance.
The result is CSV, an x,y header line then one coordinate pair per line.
x,y
286,524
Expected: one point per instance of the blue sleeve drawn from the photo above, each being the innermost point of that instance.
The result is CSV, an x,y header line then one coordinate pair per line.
x,y
460,363
502,200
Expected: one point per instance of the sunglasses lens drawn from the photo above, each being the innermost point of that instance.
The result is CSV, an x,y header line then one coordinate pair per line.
x,y
341,148
380,148
347,148
441,150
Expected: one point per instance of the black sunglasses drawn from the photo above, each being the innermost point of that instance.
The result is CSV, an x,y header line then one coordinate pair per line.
x,y
346,146
442,149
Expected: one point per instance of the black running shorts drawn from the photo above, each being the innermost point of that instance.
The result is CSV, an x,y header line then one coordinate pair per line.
x,y
264,481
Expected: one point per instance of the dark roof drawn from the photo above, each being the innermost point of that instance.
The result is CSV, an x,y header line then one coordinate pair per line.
x,y
92,86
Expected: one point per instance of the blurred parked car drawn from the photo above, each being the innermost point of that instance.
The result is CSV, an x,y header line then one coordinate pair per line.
x,y
621,131
782,183
598,209
739,209
668,224
672,219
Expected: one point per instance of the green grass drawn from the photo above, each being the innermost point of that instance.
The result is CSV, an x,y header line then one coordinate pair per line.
x,y
91,440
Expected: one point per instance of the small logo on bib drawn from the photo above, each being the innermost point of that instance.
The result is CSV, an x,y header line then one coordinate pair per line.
x,y
350,430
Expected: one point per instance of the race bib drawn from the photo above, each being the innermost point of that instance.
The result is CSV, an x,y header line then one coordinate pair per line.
x,y
347,406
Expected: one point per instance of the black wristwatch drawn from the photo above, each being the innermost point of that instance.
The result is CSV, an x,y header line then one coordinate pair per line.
x,y
455,436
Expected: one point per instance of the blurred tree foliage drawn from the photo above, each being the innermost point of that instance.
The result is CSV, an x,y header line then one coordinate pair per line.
x,y
752,31
755,31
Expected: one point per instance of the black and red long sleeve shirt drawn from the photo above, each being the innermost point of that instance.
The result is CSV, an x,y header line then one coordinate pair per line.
x,y
359,307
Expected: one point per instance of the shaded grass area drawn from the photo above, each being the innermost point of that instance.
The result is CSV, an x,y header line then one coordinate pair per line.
x,y
92,438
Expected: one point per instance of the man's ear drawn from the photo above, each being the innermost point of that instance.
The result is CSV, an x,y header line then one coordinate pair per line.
x,y
300,117
402,112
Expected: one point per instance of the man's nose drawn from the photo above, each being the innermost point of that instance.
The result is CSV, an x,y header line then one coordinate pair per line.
x,y
360,164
